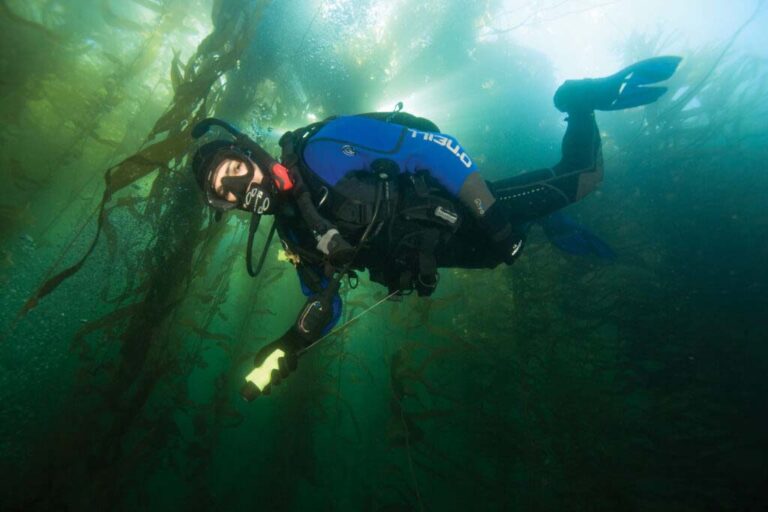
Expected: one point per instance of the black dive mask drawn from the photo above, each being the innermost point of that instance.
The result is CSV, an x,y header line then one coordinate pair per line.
x,y
251,197
237,185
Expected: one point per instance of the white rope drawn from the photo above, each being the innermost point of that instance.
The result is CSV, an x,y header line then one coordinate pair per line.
x,y
341,327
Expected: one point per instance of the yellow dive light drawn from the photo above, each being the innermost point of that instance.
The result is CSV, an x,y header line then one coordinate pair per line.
x,y
261,376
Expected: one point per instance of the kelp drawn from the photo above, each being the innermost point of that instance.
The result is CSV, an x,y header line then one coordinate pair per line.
x,y
37,28
21,179
119,22
177,74
175,217
676,105
83,124
12,215
555,383
188,107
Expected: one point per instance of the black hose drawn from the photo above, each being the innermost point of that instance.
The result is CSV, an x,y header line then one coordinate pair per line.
x,y
249,248
333,285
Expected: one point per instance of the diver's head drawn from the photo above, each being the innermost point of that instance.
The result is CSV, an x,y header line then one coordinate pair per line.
x,y
229,178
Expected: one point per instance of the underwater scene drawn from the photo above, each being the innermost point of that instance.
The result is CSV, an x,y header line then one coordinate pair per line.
x,y
384,256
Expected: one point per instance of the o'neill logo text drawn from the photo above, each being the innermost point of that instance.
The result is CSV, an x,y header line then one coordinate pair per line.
x,y
442,140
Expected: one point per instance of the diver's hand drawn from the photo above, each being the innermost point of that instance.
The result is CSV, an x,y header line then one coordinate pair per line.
x,y
273,363
338,250
277,360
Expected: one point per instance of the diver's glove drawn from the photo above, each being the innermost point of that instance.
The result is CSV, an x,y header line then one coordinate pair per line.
x,y
631,87
273,363
277,360
338,250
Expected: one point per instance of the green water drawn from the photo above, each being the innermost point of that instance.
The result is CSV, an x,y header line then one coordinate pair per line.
x,y
558,383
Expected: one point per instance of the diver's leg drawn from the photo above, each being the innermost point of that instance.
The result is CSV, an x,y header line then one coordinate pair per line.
x,y
538,193
535,194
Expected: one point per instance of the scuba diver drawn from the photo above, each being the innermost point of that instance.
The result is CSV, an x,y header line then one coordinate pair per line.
x,y
391,194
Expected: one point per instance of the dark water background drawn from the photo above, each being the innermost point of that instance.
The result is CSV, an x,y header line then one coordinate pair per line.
x,y
560,383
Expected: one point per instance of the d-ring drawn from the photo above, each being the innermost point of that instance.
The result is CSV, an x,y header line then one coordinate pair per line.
x,y
324,197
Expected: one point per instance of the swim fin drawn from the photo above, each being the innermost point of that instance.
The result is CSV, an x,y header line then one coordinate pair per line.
x,y
626,89
570,237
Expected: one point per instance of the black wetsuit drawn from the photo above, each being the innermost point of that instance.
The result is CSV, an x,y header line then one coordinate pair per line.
x,y
409,243
535,194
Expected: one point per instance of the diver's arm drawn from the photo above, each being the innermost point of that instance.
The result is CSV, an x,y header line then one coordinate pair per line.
x,y
321,312
535,194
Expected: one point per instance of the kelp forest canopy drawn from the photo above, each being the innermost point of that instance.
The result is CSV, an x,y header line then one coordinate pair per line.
x,y
127,319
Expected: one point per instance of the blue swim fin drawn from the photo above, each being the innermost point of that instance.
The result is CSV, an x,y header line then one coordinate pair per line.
x,y
570,237
628,88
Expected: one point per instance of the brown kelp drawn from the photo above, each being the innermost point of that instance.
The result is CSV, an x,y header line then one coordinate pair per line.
x,y
562,382
139,321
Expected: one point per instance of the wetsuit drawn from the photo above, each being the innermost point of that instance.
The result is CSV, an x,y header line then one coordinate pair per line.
x,y
331,155
347,145
355,143
535,194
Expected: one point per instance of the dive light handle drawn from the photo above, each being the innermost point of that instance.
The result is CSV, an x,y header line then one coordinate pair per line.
x,y
262,376
276,360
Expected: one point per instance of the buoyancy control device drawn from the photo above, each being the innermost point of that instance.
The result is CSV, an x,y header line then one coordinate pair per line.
x,y
415,215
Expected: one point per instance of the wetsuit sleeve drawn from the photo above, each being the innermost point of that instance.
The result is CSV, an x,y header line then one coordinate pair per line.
x,y
319,284
535,194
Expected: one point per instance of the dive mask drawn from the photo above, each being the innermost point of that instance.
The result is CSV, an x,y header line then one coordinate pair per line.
x,y
251,197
